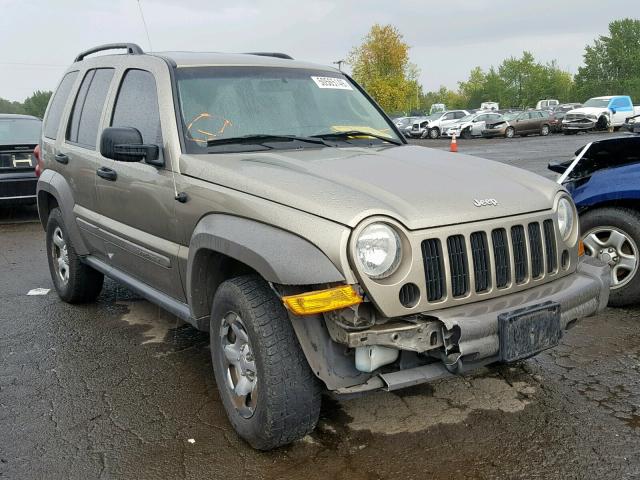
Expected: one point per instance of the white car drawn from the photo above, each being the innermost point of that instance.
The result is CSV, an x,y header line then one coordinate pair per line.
x,y
433,125
547,104
472,125
599,113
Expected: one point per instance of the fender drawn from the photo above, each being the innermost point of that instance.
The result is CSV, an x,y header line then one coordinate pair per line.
x,y
277,255
55,184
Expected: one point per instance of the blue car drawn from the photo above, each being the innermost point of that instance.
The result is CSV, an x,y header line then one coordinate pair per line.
x,y
604,180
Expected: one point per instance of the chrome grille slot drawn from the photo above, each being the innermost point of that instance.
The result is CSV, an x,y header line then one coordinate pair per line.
x,y
501,254
434,269
480,256
535,246
550,246
519,253
456,247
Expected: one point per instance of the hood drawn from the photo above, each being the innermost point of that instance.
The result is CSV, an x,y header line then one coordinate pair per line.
x,y
588,111
420,187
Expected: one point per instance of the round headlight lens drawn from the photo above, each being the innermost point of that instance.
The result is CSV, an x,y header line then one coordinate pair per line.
x,y
379,250
566,218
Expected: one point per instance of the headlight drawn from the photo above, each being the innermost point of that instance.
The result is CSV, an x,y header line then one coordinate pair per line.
x,y
566,218
379,250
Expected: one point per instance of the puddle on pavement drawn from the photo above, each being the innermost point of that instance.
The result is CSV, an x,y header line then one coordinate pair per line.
x,y
446,402
161,326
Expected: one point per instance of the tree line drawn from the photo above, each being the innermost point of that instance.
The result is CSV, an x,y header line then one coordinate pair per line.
x,y
34,105
611,66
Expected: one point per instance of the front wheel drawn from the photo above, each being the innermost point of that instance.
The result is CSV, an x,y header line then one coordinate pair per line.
x,y
510,132
613,236
434,133
270,394
466,133
544,131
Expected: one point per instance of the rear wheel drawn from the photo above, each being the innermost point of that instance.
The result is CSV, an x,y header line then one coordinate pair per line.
x,y
613,236
510,132
270,394
74,281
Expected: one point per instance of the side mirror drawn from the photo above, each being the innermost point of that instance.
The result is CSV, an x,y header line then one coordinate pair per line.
x,y
124,144
558,167
613,110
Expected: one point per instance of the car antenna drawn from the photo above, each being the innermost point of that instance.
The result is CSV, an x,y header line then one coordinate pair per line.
x,y
146,29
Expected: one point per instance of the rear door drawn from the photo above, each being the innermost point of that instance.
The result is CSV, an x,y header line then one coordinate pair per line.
x,y
76,156
137,207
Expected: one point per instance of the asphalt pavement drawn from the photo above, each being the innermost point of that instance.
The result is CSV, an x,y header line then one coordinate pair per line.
x,y
120,389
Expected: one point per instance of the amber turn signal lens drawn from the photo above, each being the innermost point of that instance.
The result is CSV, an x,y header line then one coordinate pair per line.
x,y
322,300
580,248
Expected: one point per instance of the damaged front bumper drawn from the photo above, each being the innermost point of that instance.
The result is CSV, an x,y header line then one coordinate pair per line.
x,y
459,339
579,125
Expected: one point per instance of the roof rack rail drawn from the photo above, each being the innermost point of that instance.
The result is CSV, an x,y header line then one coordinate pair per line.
x,y
132,49
271,54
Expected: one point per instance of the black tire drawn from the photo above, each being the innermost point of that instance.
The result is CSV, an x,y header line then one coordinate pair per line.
x,y
601,124
628,222
510,132
287,404
83,284
466,133
434,133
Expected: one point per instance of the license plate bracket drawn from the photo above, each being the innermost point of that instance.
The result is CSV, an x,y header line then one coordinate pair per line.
x,y
528,331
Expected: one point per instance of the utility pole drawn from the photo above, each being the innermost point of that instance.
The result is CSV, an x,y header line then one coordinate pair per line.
x,y
339,63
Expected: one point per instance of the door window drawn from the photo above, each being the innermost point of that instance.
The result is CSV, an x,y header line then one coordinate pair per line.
x,y
88,106
137,106
52,121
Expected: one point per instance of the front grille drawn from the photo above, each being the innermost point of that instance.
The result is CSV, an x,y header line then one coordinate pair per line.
x,y
501,255
480,256
519,252
481,261
434,269
550,246
458,265
535,244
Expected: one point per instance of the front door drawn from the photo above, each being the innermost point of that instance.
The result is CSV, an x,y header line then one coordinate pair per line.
x,y
136,200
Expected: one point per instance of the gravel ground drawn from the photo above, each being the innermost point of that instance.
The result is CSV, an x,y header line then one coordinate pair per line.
x,y
121,389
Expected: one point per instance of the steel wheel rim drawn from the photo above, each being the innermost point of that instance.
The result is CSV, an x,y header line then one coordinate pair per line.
x,y
615,247
241,377
60,255
433,133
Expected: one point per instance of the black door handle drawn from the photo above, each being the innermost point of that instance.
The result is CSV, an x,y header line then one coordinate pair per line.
x,y
107,173
62,158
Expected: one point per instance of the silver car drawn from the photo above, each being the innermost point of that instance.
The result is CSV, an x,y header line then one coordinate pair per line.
x,y
273,204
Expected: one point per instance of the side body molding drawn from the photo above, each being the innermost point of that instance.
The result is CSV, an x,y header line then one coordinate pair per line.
x,y
277,255
55,184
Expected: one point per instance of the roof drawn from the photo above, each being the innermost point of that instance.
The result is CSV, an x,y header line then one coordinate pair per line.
x,y
193,59
18,116
609,97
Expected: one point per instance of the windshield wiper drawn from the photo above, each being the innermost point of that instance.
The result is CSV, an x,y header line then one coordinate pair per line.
x,y
259,139
356,133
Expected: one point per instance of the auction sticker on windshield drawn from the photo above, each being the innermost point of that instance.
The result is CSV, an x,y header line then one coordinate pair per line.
x,y
332,82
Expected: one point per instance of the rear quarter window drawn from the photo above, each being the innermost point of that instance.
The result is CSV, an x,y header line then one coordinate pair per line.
x,y
59,100
88,106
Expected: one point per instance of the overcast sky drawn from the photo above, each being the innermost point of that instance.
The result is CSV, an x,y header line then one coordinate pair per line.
x,y
38,39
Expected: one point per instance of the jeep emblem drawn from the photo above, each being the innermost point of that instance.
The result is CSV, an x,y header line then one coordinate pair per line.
x,y
485,202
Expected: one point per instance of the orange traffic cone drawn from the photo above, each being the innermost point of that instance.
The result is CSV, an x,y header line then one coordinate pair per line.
x,y
454,144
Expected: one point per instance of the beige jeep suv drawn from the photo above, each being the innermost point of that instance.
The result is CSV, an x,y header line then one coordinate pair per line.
x,y
272,203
